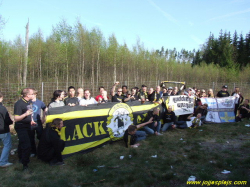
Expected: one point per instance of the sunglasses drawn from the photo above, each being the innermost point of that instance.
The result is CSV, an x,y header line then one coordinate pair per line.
x,y
119,91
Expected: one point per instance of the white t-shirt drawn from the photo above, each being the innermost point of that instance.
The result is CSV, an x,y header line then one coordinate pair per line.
x,y
88,101
237,97
189,123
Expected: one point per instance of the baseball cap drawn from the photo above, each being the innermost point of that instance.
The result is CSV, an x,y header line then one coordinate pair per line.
x,y
225,86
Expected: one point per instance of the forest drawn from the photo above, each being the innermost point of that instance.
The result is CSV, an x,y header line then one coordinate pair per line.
x,y
77,54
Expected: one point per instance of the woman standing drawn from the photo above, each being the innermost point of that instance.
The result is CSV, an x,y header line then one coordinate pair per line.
x,y
238,99
210,93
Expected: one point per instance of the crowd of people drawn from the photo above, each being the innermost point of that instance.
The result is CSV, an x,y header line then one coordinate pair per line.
x,y
30,114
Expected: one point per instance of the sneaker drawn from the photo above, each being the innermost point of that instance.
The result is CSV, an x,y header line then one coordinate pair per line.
x,y
159,134
32,155
56,163
59,163
6,165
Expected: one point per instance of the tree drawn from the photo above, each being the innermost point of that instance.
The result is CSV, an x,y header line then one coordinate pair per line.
x,y
36,53
25,68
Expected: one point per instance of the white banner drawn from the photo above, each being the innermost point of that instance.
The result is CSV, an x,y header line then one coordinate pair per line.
x,y
181,104
220,110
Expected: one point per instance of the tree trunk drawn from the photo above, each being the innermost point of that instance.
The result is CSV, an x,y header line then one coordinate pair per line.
x,y
26,55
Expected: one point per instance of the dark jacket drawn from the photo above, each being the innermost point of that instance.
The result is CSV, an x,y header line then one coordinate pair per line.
x,y
50,146
5,120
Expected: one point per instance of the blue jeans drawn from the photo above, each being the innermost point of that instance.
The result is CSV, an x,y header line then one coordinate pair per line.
x,y
167,126
6,138
151,129
140,135
181,124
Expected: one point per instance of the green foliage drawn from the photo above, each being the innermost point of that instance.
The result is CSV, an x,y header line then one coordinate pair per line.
x,y
225,51
76,54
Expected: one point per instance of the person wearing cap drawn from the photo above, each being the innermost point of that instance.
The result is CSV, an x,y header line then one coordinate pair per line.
x,y
170,90
190,92
223,92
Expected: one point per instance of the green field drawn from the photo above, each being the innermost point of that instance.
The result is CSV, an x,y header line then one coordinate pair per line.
x,y
203,152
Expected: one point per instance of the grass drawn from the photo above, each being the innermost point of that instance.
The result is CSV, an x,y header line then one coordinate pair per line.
x,y
203,152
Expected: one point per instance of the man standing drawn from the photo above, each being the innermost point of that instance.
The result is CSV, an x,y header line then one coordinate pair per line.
x,y
116,97
23,120
124,90
80,93
101,89
5,121
143,95
87,100
71,100
37,129
157,95
223,92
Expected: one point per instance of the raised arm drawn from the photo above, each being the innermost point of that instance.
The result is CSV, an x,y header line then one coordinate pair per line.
x,y
112,91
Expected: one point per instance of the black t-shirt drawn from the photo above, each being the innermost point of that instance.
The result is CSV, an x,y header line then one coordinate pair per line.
x,y
168,117
151,97
71,100
223,94
134,98
20,107
165,94
129,139
5,120
243,111
117,98
50,141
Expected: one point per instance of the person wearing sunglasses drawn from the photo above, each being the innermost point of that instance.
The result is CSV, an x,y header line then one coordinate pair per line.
x,y
116,97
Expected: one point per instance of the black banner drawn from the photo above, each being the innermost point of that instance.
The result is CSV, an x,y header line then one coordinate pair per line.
x,y
86,128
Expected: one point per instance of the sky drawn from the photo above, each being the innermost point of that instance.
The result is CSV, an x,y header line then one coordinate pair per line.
x,y
155,23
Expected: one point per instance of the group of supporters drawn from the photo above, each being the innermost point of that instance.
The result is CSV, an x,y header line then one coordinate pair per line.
x,y
29,117
28,123
133,135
